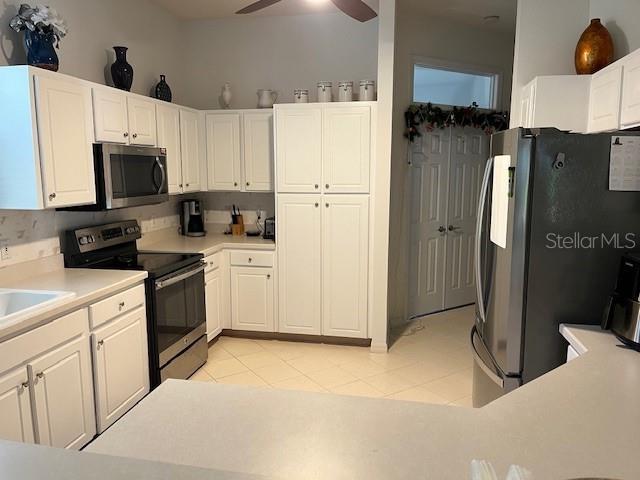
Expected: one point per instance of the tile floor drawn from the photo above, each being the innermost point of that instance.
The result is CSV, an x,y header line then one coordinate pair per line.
x,y
428,362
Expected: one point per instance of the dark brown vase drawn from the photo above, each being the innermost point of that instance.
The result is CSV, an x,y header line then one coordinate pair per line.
x,y
594,50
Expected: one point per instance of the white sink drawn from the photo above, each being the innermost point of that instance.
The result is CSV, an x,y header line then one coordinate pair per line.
x,y
15,305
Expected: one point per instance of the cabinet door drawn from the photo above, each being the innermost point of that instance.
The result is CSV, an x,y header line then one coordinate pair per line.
x,y
346,149
110,115
216,304
223,151
299,149
121,366
65,132
630,113
252,299
258,151
345,260
63,394
190,147
15,407
142,121
299,268
168,120
604,100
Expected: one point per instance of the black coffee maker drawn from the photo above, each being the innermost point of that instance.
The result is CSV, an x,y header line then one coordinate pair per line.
x,y
192,221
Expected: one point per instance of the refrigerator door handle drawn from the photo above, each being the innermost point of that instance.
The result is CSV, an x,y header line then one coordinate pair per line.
x,y
492,374
479,220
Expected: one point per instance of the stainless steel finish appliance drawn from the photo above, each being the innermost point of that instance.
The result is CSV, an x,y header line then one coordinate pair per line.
x,y
192,222
556,196
176,315
128,176
622,314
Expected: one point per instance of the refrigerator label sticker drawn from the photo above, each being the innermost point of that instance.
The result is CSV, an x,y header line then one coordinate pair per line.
x,y
624,164
501,193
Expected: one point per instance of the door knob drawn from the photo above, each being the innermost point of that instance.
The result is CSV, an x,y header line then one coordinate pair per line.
x,y
441,229
453,229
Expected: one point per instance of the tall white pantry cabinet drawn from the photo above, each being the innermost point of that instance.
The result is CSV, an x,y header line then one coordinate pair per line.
x,y
323,179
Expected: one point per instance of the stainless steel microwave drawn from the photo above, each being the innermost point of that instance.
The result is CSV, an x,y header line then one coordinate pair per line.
x,y
128,176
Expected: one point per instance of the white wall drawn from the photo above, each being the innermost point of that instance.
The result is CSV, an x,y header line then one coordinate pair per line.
x,y
278,53
152,35
428,36
621,17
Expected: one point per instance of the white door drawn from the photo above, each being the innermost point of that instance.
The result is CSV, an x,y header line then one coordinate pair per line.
x,y
345,260
469,152
110,115
252,299
190,149
299,264
15,407
630,113
604,100
168,121
121,366
223,151
65,132
299,149
63,395
142,121
258,151
215,303
429,176
346,149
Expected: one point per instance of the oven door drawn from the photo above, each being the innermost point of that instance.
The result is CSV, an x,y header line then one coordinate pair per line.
x,y
133,175
180,311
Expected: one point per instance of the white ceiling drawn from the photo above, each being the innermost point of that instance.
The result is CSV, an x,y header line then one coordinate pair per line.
x,y
206,9
470,12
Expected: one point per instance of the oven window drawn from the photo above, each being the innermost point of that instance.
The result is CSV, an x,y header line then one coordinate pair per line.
x,y
179,310
134,175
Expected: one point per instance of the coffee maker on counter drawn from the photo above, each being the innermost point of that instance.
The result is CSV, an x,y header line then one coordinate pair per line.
x,y
192,221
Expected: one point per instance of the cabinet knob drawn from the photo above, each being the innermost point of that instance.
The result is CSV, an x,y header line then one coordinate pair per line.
x,y
120,305
52,196
135,135
326,185
125,134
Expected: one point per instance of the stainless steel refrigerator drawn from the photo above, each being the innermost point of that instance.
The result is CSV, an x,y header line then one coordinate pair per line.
x,y
548,248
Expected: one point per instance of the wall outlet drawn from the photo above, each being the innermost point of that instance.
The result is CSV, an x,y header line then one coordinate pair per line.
x,y
4,252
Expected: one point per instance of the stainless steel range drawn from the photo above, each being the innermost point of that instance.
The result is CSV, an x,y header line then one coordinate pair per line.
x,y
176,315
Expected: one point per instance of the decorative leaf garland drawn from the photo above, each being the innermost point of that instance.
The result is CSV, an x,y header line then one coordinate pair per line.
x,y
435,117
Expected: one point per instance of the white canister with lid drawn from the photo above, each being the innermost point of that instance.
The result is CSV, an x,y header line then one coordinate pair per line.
x,y
345,91
301,95
325,92
367,90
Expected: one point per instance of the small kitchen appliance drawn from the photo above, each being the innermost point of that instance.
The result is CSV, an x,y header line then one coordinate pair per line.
x,y
192,222
622,314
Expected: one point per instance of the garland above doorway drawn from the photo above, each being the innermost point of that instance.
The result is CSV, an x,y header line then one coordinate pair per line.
x,y
433,117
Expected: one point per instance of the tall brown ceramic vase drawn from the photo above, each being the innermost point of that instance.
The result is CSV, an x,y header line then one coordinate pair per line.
x,y
594,50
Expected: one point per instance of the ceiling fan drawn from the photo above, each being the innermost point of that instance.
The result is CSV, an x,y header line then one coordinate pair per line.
x,y
354,8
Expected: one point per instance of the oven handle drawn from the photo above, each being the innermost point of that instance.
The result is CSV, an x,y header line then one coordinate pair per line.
x,y
160,284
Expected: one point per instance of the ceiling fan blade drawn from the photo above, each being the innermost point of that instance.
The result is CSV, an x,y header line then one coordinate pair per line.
x,y
356,9
259,5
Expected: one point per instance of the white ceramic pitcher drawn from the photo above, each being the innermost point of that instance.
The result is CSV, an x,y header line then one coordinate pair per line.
x,y
266,98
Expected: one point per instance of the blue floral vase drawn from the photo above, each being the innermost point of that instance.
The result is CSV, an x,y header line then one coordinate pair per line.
x,y
40,49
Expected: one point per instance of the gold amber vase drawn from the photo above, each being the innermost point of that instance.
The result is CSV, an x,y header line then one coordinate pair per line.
x,y
594,50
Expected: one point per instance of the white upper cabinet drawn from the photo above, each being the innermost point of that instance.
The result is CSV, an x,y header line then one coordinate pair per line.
x,y
15,407
299,149
346,149
191,149
604,99
223,151
299,264
142,121
65,133
630,112
345,261
110,115
168,121
258,151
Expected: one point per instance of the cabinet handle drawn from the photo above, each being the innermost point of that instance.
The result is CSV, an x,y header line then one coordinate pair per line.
x,y
125,134
135,135
52,196
120,305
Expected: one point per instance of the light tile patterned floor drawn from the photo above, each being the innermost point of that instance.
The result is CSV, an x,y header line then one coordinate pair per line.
x,y
429,362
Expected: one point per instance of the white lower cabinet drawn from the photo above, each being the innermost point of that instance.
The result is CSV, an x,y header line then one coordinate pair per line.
x,y
121,366
252,299
15,407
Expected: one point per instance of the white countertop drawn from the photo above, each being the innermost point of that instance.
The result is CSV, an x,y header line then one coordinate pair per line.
x,y
88,285
577,421
169,240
